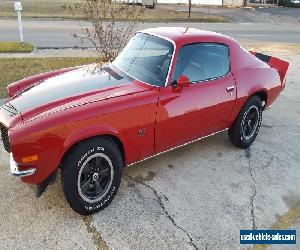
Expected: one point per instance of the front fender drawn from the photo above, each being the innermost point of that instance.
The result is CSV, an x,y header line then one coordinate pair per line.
x,y
97,130
51,146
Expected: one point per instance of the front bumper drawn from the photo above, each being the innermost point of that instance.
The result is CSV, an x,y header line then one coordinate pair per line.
x,y
41,187
14,168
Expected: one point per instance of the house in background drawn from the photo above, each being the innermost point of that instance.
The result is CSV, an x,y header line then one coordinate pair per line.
x,y
196,2
237,3
221,2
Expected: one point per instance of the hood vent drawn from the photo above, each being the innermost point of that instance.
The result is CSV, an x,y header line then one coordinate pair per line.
x,y
10,109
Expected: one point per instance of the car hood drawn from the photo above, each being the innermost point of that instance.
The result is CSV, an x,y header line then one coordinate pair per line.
x,y
89,83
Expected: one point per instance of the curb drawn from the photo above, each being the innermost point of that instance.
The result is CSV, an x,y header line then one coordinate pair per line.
x,y
34,50
38,52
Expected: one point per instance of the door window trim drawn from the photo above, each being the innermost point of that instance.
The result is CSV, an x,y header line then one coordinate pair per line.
x,y
212,78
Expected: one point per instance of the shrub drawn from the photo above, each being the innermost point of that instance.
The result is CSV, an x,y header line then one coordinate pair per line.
x,y
111,24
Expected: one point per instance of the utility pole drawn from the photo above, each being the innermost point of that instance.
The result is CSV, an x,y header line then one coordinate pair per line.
x,y
190,7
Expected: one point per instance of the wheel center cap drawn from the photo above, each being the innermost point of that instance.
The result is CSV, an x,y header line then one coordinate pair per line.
x,y
95,177
249,122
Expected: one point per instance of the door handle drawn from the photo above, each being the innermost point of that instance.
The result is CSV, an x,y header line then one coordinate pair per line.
x,y
230,88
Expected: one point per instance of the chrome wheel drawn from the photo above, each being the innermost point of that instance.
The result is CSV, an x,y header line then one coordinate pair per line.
x,y
95,177
250,122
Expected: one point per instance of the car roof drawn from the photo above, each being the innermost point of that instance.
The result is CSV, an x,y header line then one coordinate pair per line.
x,y
182,35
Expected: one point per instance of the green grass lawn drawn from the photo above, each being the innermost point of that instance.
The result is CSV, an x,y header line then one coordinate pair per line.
x,y
15,47
37,8
60,9
13,69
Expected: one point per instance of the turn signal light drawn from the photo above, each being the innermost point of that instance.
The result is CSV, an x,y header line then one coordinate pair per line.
x,y
30,159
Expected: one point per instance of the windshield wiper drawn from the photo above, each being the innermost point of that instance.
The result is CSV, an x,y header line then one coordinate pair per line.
x,y
112,73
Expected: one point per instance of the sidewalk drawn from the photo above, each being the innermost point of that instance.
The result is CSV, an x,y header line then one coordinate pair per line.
x,y
40,53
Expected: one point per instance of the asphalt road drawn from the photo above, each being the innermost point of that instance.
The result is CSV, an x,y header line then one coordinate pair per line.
x,y
275,15
57,34
196,197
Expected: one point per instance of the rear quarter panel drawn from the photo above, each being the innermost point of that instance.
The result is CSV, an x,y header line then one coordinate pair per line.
x,y
252,76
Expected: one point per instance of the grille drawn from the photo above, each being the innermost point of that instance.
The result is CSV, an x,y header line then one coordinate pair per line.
x,y
4,137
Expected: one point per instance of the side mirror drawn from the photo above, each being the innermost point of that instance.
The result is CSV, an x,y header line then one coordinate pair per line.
x,y
182,81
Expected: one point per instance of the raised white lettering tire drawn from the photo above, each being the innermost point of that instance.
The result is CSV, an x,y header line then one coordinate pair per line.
x,y
91,174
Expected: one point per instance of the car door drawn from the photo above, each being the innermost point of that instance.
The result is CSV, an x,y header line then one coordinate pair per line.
x,y
203,106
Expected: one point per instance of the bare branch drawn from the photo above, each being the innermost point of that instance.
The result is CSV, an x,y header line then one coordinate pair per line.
x,y
111,25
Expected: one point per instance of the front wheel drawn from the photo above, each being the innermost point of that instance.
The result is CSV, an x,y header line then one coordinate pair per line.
x,y
91,174
245,128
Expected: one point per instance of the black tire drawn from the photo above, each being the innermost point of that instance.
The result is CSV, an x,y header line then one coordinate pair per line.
x,y
240,133
91,174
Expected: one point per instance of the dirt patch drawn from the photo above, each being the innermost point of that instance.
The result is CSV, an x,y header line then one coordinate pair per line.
x,y
149,177
96,236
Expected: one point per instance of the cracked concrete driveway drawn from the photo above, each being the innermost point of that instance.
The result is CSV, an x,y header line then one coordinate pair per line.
x,y
197,197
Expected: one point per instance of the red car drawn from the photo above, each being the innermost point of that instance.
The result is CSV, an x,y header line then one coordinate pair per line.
x,y
167,88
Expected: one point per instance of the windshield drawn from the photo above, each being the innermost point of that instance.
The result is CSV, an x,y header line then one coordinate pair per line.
x,y
146,58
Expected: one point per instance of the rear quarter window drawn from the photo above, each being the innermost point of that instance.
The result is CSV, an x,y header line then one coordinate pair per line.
x,y
202,61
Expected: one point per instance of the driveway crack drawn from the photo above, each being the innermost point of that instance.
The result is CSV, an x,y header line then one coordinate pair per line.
x,y
96,236
252,197
161,204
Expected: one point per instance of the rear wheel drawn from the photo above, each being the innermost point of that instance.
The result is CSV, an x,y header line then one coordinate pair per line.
x,y
245,128
91,174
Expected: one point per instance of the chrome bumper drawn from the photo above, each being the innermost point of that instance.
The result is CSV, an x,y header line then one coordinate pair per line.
x,y
270,106
14,169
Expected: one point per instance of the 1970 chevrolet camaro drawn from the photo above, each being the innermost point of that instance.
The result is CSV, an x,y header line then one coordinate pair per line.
x,y
168,87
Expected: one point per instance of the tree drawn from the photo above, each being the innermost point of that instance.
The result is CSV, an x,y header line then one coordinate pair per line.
x,y
111,24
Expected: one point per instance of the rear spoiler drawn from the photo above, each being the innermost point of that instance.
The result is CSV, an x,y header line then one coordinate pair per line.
x,y
275,63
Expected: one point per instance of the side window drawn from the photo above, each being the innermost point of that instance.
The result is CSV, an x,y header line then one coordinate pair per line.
x,y
202,61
